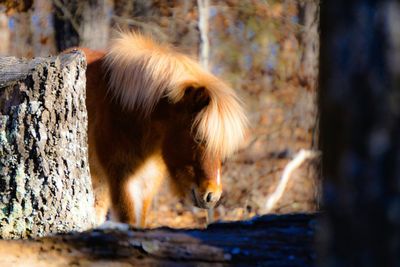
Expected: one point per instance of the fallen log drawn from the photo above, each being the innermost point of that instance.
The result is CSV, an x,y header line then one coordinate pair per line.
x,y
271,240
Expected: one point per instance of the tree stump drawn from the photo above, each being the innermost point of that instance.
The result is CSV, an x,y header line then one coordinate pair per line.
x,y
45,185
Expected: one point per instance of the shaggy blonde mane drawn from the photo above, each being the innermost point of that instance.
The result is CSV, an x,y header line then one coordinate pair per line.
x,y
143,71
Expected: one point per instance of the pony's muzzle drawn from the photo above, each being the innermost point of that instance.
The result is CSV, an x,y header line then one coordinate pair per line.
x,y
206,199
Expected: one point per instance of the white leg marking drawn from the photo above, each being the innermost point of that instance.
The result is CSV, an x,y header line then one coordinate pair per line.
x,y
143,185
218,176
137,194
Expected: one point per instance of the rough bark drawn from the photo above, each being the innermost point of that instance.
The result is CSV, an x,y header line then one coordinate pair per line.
x,y
45,185
274,241
360,129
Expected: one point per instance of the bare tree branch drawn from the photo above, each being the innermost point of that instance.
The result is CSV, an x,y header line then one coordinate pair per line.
x,y
295,163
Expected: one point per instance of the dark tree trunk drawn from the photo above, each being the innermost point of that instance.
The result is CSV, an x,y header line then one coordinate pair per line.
x,y
360,132
82,23
66,26
45,185
274,241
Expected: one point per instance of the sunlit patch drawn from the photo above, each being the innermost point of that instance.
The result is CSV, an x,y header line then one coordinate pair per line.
x,y
218,176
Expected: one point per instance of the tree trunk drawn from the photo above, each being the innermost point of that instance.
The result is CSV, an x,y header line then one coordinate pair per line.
x,y
82,23
309,19
360,128
45,185
274,241
95,25
4,35
21,40
66,24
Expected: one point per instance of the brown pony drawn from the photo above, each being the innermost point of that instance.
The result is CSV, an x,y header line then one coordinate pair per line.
x,y
153,111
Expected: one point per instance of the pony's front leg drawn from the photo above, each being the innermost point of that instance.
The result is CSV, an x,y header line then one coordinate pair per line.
x,y
141,198
132,195
123,207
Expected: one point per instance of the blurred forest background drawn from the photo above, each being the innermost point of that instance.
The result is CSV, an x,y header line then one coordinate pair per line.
x,y
267,50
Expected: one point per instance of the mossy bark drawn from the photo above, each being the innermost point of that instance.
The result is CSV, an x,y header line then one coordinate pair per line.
x,y
45,185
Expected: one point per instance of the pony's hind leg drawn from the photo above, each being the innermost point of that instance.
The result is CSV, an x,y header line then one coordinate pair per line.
x,y
101,190
102,199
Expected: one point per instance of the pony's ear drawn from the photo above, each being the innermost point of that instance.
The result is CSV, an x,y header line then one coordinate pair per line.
x,y
196,98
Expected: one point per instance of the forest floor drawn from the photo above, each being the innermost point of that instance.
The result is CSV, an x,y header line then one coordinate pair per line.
x,y
246,190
